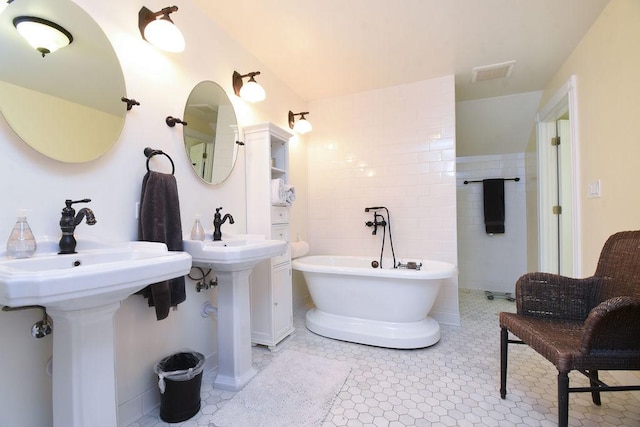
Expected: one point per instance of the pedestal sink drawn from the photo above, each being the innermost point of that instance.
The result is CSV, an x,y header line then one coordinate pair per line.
x,y
81,293
232,260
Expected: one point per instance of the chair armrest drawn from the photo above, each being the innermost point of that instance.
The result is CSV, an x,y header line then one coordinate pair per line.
x,y
613,325
557,297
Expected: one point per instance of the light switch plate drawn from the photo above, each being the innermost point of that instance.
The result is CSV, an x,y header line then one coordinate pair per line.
x,y
594,189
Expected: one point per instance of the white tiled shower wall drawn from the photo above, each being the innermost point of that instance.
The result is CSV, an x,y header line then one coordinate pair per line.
x,y
491,263
392,147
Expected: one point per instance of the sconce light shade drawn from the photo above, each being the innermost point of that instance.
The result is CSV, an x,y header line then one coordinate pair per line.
x,y
302,126
43,35
250,91
161,32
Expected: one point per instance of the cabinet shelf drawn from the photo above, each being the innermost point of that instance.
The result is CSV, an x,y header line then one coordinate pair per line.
x,y
278,173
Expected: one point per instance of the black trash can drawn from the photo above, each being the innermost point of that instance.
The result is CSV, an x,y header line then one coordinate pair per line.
x,y
179,380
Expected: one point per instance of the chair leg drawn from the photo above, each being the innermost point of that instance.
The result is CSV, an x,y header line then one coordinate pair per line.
x,y
563,399
595,395
504,342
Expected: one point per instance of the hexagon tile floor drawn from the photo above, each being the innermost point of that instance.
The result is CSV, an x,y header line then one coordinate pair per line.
x,y
453,383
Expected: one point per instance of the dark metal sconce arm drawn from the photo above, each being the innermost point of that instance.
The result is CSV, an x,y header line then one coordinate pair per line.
x,y
292,116
237,80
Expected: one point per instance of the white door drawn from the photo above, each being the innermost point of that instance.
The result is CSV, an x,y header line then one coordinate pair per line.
x,y
565,199
196,154
558,239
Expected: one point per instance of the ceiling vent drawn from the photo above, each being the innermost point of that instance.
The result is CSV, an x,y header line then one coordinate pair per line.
x,y
492,72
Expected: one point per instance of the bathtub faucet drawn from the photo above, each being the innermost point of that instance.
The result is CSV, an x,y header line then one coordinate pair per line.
x,y
382,223
378,220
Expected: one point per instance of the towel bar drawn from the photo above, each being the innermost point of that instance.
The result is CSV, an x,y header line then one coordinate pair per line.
x,y
516,179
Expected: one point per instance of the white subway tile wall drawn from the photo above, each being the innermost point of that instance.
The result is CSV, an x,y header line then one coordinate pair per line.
x,y
392,147
486,262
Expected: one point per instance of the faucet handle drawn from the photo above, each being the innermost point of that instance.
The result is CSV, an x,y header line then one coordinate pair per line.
x,y
218,209
69,202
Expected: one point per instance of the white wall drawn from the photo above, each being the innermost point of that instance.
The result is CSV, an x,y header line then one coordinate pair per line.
x,y
392,147
606,64
498,125
491,263
161,82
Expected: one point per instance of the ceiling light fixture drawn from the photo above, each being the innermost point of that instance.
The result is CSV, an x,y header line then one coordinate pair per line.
x,y
302,126
250,91
162,32
43,35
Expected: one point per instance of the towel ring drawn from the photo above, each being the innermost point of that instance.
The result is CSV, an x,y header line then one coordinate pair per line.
x,y
150,152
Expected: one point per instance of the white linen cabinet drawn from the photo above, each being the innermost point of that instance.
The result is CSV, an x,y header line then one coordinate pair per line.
x,y
267,158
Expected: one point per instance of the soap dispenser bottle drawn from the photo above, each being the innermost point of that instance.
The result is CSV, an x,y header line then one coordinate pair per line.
x,y
197,232
21,243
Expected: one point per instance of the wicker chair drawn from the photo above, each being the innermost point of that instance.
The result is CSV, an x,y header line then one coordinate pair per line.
x,y
587,325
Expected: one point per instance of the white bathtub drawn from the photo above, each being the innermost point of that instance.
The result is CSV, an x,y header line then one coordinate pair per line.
x,y
381,307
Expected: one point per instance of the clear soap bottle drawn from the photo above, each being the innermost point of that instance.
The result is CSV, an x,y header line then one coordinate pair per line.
x,y
197,232
21,243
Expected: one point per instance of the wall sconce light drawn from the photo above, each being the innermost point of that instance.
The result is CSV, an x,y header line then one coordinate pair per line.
x,y
250,91
43,35
162,32
302,125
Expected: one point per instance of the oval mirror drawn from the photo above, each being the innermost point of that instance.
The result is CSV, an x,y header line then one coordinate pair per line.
x,y
211,132
65,104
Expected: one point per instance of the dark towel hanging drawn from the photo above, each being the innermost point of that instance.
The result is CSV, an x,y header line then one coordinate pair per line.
x,y
159,221
493,196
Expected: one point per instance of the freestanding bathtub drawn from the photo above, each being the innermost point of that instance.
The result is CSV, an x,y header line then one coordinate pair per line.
x,y
382,307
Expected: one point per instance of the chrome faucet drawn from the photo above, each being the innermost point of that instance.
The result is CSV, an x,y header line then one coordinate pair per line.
x,y
218,220
68,223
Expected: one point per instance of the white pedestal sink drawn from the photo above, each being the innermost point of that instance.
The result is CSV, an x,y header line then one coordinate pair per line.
x,y
232,259
81,293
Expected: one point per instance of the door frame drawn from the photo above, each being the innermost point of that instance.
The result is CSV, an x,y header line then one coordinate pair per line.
x,y
564,101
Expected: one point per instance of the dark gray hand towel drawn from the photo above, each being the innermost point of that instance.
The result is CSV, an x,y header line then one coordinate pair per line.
x,y
159,221
493,195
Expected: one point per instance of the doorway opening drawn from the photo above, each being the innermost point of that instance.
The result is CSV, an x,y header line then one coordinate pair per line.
x,y
558,216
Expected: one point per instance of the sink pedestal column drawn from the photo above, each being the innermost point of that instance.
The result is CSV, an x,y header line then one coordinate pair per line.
x,y
84,391
235,368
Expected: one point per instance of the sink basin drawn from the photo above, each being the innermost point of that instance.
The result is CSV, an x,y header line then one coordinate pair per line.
x,y
100,273
82,293
233,252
